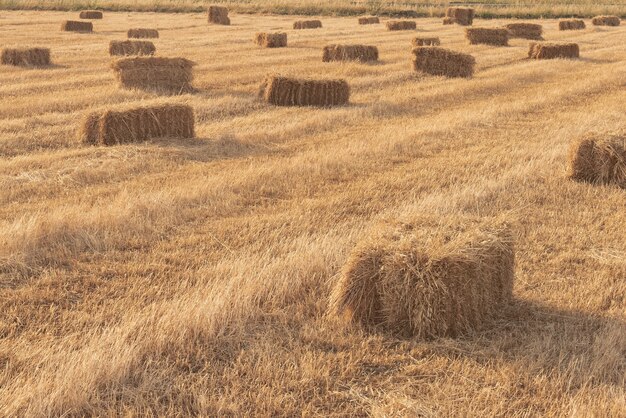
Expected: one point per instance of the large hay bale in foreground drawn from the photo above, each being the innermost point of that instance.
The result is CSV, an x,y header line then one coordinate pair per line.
x,y
139,124
271,40
401,25
131,48
140,33
218,15
307,24
368,20
434,60
606,21
599,160
545,50
428,277
76,26
170,75
419,41
525,30
460,15
487,36
284,91
25,57
90,14
571,24
362,53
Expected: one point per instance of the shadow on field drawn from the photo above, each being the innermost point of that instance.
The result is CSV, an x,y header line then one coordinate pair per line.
x,y
209,149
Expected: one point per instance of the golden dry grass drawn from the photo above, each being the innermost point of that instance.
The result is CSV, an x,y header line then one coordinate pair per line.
x,y
181,277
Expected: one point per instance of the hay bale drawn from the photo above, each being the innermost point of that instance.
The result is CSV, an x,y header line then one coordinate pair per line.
x,y
487,36
307,24
525,30
428,277
142,33
271,40
362,53
283,91
401,25
606,21
131,48
137,125
368,20
218,15
571,24
90,14
434,60
599,160
419,41
170,75
460,15
76,26
25,57
545,50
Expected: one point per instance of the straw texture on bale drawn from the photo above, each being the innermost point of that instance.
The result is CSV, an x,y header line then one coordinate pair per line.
x,y
525,30
361,53
139,124
271,40
172,75
142,33
572,24
428,277
90,14
599,160
487,36
434,60
131,48
606,21
425,41
76,26
401,25
307,24
460,15
545,50
218,15
284,91
25,57
368,20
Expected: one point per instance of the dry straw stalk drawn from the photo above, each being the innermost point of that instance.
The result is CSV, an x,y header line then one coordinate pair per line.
x,y
368,20
90,14
218,15
401,25
131,48
307,24
461,15
271,40
362,53
140,33
599,159
525,30
35,57
168,75
488,36
545,50
284,91
76,26
606,21
571,24
439,61
419,41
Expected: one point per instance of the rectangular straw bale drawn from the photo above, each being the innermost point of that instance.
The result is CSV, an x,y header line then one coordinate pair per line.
x,y
419,41
140,33
401,25
169,75
488,36
284,91
448,21
90,14
571,24
368,20
434,60
460,15
138,124
428,277
25,57
218,15
76,26
271,40
362,53
599,159
606,21
307,24
545,50
525,30
131,48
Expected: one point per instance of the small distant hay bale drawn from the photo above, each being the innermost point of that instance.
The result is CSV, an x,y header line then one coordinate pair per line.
x,y
401,25
131,48
606,21
434,60
362,53
271,40
428,277
140,33
168,75
487,36
284,91
419,41
77,26
219,15
460,15
599,160
545,50
368,20
90,14
25,57
525,30
137,125
571,24
307,24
